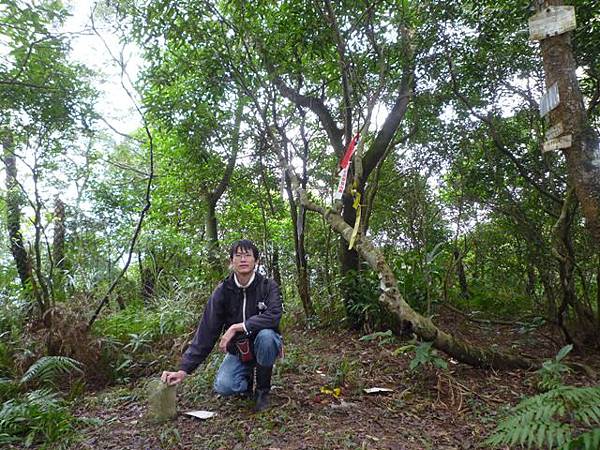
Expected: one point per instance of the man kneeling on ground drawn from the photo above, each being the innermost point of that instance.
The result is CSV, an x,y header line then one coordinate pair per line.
x,y
248,306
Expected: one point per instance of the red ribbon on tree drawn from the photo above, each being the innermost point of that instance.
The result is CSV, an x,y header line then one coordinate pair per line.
x,y
344,163
349,152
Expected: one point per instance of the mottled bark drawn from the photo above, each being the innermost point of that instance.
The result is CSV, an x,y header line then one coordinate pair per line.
x,y
13,215
58,249
583,157
212,236
460,273
58,245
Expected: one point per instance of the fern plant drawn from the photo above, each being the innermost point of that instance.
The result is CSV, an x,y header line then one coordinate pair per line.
x,y
552,419
47,369
40,415
425,356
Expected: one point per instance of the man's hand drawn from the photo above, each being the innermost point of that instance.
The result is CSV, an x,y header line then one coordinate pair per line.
x,y
173,378
229,334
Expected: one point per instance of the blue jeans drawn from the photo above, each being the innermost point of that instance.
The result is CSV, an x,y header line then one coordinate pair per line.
x,y
232,377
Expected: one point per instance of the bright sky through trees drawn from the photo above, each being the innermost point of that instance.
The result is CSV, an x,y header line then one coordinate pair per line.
x,y
114,104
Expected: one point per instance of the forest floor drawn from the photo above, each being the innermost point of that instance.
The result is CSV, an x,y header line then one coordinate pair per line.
x,y
428,408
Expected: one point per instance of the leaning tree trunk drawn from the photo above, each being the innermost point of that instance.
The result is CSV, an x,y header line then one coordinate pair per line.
x,y
583,157
391,297
424,327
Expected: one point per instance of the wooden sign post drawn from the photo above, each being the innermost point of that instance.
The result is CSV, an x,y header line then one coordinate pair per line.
x,y
551,21
555,131
558,143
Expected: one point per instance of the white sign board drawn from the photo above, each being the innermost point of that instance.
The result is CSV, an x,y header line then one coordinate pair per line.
x,y
342,184
558,143
551,21
550,100
555,131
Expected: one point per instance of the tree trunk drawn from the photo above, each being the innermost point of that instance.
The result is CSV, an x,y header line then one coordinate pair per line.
x,y
598,293
58,245
276,269
563,251
13,215
583,157
212,198
212,236
301,266
58,248
531,281
349,263
460,273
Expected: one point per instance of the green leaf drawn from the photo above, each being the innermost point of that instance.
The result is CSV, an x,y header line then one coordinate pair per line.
x,y
563,352
404,349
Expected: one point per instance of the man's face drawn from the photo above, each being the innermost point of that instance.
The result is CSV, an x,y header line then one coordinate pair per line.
x,y
243,261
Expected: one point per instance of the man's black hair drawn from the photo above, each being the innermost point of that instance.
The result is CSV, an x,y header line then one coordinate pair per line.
x,y
245,245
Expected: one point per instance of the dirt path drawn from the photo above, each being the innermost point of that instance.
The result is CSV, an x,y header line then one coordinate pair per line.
x,y
428,409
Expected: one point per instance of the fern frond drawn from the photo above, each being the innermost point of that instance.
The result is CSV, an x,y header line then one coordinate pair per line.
x,y
47,368
548,420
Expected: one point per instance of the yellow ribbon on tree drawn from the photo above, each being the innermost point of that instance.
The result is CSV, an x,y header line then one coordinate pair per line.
x,y
356,205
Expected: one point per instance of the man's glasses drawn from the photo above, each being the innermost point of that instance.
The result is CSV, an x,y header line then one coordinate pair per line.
x,y
243,255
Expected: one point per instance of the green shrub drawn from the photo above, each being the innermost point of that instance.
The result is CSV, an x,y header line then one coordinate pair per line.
x,y
363,308
166,317
12,320
48,369
383,337
131,338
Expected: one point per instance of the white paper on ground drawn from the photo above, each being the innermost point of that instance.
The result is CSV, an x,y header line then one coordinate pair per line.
x,y
201,414
377,390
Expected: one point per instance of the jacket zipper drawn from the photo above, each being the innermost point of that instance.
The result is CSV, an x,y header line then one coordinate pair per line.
x,y
244,307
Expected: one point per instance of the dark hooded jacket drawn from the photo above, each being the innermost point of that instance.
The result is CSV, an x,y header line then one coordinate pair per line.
x,y
225,307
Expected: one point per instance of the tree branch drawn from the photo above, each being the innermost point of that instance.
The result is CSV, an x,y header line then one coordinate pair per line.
x,y
147,197
377,150
235,146
344,69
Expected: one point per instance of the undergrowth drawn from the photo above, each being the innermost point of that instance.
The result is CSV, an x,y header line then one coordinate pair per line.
x,y
39,416
138,339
